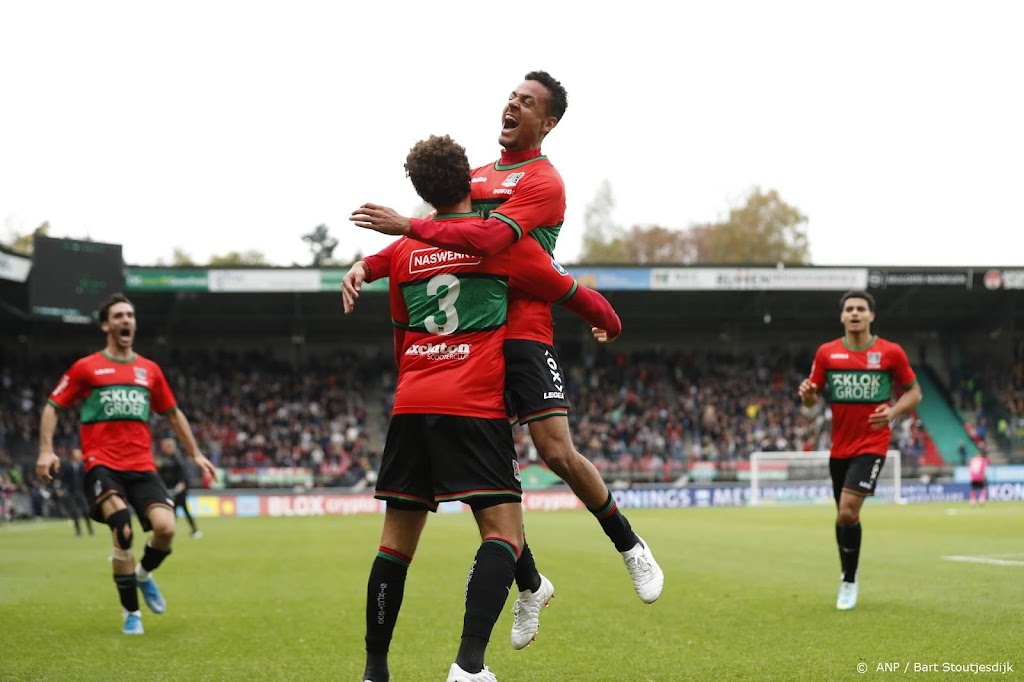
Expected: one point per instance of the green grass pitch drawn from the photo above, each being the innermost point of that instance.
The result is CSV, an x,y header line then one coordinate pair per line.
x,y
749,595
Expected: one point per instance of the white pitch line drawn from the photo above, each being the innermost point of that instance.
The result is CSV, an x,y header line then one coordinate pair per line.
x,y
984,560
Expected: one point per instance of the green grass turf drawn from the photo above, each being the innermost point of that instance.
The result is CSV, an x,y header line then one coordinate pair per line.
x,y
750,594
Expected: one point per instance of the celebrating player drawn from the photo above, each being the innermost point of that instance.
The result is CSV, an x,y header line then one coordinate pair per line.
x,y
859,373
118,389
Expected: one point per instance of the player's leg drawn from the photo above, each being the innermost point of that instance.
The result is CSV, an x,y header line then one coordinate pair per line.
x,y
859,476
501,535
973,493
982,493
534,379
106,496
385,588
405,483
155,508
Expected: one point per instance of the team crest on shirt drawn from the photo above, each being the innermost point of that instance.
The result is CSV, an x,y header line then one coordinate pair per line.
x,y
140,376
512,179
874,359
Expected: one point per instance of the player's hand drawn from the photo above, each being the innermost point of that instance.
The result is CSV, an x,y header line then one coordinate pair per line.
x,y
47,466
602,335
808,392
881,417
808,388
351,284
382,219
205,465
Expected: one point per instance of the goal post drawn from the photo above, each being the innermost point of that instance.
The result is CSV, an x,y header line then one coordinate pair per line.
x,y
798,476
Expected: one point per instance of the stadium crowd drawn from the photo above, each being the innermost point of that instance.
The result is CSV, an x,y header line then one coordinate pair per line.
x,y
640,416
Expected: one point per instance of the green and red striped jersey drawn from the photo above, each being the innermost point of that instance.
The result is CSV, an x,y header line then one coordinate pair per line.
x,y
856,381
117,397
452,310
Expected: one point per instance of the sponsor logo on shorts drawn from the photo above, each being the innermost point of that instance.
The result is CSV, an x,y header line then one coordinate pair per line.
x,y
515,470
556,374
554,394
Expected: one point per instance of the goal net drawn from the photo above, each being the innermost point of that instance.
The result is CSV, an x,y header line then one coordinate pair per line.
x,y
803,477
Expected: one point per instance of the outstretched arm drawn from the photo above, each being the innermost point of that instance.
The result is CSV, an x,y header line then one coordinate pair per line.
x,y
472,237
596,310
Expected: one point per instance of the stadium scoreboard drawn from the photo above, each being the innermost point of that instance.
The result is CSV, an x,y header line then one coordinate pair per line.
x,y
70,278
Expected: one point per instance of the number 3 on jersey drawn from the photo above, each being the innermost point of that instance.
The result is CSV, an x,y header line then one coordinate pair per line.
x,y
446,290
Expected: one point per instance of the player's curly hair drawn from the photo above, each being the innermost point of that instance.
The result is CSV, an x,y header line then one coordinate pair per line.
x,y
559,100
439,170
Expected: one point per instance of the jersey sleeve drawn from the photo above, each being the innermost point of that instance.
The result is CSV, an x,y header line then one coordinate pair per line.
x,y
71,387
902,372
537,275
817,375
379,263
160,396
472,237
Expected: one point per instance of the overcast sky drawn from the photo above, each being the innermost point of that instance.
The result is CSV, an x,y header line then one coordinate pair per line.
x,y
896,126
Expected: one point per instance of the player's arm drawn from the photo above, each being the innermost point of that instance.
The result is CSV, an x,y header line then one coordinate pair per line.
x,y
538,276
48,464
810,386
903,375
536,201
176,418
365,270
473,237
70,388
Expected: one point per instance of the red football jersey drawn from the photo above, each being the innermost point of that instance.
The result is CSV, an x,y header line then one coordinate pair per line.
x,y
117,397
525,191
453,309
856,381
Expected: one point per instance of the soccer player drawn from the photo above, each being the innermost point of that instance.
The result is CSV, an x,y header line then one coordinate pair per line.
x,y
449,436
118,388
172,471
522,194
977,467
72,481
859,372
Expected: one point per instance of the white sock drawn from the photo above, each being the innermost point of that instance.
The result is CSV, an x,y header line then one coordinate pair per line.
x,y
141,573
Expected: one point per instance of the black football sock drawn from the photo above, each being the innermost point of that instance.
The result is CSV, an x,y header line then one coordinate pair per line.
x,y
152,558
127,591
615,525
848,539
486,592
385,590
527,577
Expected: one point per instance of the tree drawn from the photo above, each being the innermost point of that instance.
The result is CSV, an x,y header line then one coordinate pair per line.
x,y
233,258
763,230
657,245
23,243
181,258
321,244
603,240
